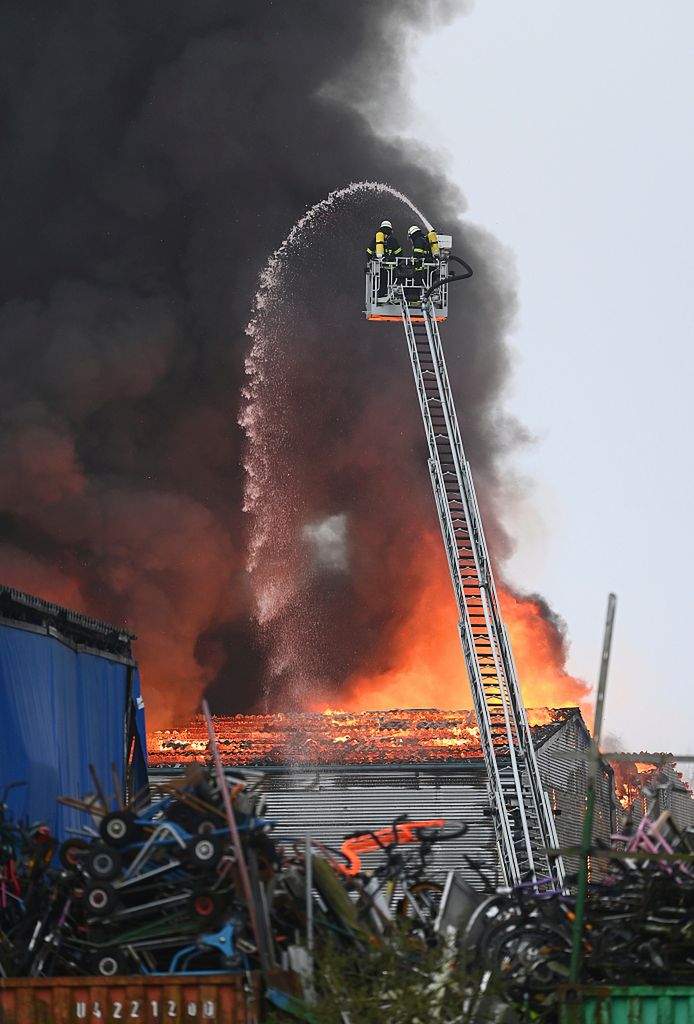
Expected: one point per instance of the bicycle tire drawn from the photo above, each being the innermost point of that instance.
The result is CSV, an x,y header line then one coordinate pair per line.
x,y
531,955
431,893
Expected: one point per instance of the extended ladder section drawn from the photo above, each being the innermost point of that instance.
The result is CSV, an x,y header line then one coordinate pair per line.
x,y
521,812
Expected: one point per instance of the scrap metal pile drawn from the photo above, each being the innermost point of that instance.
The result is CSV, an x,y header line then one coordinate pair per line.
x,y
149,888
638,925
185,881
173,884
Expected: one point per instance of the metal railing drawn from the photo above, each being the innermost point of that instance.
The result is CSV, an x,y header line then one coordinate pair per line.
x,y
385,277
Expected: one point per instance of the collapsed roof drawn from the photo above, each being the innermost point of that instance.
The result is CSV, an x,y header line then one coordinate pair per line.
x,y
409,736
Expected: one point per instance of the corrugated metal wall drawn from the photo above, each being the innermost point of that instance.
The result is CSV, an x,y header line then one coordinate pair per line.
x,y
627,1005
330,802
666,792
563,762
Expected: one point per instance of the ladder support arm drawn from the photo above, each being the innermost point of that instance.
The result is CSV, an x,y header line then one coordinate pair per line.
x,y
523,819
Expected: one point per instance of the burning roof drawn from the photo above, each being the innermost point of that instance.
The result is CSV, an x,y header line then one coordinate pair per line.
x,y
339,737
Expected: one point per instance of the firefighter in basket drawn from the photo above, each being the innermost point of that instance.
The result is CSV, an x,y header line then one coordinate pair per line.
x,y
385,248
425,253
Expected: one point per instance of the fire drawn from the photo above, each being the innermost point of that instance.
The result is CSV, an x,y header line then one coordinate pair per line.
x,y
540,653
334,737
630,777
426,666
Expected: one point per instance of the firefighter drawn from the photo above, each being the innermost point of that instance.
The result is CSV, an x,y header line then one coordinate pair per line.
x,y
421,247
385,248
421,255
425,251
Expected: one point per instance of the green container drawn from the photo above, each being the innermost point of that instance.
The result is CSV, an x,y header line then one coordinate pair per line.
x,y
633,1004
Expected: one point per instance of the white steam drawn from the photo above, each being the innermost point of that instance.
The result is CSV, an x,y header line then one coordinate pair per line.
x,y
327,542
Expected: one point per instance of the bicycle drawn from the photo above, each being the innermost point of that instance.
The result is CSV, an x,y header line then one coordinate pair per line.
x,y
398,888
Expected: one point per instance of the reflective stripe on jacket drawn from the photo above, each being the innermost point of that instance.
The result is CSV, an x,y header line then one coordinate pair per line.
x,y
421,250
389,246
421,247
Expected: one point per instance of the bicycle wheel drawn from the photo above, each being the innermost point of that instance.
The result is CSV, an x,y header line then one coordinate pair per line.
x,y
530,954
421,903
491,915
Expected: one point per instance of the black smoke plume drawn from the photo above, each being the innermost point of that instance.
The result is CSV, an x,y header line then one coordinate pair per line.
x,y
152,155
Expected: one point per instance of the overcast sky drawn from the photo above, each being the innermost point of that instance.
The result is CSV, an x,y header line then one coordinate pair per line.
x,y
569,129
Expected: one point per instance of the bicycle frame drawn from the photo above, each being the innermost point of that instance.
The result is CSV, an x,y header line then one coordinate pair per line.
x,y
369,842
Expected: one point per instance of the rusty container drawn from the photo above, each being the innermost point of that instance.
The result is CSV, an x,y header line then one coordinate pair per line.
x,y
157,999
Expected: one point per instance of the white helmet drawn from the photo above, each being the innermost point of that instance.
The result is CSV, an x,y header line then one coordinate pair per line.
x,y
415,227
386,224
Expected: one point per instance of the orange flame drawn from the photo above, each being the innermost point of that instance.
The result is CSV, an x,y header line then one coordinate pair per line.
x,y
333,737
427,668
629,778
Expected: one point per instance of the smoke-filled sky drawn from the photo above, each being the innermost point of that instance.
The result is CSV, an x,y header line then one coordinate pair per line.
x,y
152,158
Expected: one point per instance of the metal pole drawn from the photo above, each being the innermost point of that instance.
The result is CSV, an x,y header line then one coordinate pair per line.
x,y
129,729
231,820
577,938
308,869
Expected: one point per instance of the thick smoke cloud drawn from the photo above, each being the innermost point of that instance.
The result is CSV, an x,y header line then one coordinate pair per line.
x,y
336,438
151,157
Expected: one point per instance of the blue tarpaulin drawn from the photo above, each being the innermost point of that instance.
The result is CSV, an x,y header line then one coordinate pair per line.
x,y
60,709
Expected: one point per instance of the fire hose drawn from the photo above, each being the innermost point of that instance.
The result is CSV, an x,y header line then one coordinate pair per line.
x,y
451,277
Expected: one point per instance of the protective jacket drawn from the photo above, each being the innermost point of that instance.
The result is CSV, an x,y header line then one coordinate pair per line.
x,y
421,248
384,246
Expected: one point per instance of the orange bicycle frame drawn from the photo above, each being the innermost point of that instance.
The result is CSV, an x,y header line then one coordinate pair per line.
x,y
404,832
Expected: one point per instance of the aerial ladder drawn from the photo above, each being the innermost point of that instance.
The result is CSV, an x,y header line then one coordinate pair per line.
x,y
397,289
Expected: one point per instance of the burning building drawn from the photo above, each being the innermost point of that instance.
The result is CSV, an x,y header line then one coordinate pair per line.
x,y
652,787
128,468
336,772
124,465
